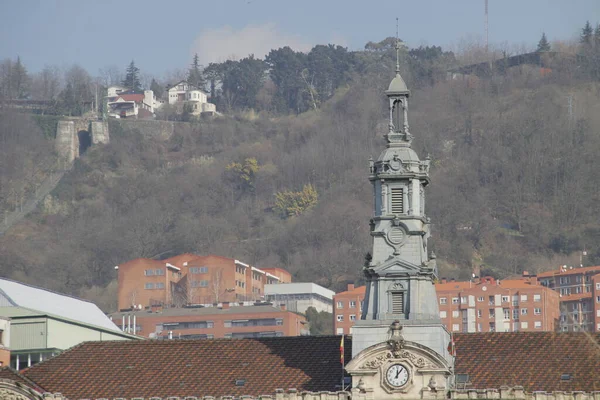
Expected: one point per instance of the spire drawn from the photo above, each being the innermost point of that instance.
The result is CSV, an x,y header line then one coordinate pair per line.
x,y
397,50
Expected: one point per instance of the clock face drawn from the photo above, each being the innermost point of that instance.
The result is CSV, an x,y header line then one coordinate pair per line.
x,y
397,375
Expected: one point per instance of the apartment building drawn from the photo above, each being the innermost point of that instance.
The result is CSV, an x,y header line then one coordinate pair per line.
x,y
191,279
299,296
347,309
491,305
226,320
579,290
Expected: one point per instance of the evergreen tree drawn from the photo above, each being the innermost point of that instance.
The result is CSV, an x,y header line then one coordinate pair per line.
x,y
597,35
132,77
586,33
195,76
543,44
20,80
156,88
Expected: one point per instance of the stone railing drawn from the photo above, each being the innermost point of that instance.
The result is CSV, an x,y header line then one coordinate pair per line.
x,y
518,393
514,393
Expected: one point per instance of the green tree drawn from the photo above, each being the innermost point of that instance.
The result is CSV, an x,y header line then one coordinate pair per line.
x,y
132,77
597,35
543,44
586,33
195,76
321,323
289,204
242,80
286,68
243,176
156,88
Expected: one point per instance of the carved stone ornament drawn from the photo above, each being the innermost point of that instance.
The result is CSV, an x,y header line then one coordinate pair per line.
x,y
375,362
7,394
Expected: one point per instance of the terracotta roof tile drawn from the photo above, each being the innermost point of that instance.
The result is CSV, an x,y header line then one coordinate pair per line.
x,y
193,367
13,375
534,360
568,271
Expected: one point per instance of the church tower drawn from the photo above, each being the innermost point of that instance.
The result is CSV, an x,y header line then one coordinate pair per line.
x,y
401,272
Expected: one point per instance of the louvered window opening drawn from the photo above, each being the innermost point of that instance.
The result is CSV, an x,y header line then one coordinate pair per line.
x,y
397,200
397,303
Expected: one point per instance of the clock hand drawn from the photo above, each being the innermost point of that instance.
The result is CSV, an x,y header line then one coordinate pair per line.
x,y
397,373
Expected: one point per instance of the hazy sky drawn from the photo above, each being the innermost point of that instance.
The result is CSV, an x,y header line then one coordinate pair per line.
x,y
162,35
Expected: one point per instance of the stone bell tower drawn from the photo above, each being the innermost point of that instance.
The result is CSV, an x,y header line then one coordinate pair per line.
x,y
401,271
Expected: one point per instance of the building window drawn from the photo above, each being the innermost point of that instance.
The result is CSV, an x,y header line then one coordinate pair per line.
x,y
523,311
463,300
340,318
455,314
505,299
523,297
524,325
198,270
160,285
443,300
492,313
492,327
149,286
443,314
480,299
516,314
538,324
455,327
578,279
340,304
340,331
565,291
479,313
455,300
537,311
352,304
199,283
352,317
397,200
598,285
537,297
491,300
506,312
149,272
515,300
397,303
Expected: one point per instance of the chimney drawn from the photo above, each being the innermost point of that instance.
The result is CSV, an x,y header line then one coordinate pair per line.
x,y
225,305
452,280
350,287
444,280
283,306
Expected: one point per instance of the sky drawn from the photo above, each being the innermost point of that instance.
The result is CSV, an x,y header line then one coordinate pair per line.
x,y
162,36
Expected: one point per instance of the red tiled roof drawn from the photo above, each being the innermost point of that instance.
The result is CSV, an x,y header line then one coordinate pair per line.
x,y
138,98
568,271
199,368
13,375
534,360
357,290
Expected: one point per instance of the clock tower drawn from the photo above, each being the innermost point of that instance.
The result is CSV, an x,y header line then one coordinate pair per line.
x,y
400,293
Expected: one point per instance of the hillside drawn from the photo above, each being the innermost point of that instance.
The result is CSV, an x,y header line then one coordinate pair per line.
x,y
514,186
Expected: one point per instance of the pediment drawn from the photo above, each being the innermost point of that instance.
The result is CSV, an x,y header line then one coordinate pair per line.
x,y
374,358
395,266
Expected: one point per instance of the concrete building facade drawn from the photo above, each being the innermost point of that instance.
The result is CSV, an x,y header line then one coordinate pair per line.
x,y
298,297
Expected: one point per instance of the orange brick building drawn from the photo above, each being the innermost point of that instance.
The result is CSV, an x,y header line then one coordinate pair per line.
x,y
223,321
490,305
347,308
192,279
483,305
579,290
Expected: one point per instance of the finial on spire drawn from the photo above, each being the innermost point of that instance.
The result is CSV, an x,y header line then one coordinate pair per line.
x,y
397,50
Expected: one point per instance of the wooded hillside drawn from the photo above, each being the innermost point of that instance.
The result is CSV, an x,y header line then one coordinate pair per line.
x,y
514,183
